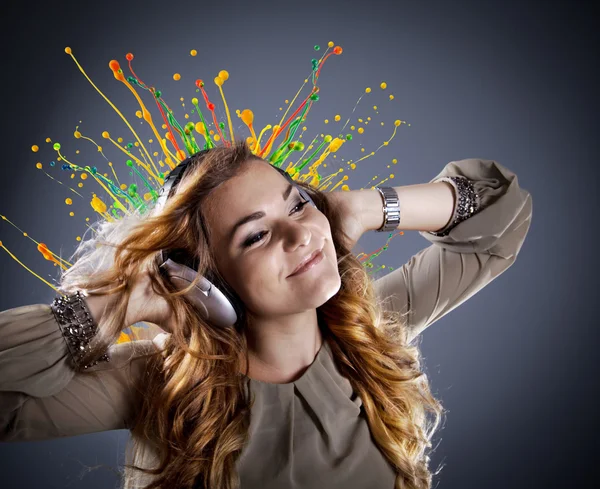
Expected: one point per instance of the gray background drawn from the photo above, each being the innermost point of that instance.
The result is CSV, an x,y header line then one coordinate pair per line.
x,y
508,81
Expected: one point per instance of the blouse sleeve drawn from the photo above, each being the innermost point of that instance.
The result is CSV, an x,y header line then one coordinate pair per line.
x,y
476,251
42,397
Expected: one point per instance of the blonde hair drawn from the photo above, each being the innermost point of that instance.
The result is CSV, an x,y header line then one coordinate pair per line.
x,y
195,409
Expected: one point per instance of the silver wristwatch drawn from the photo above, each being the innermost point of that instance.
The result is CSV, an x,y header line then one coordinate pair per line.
x,y
391,209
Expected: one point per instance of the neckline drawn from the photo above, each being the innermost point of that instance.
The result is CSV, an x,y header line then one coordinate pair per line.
x,y
324,346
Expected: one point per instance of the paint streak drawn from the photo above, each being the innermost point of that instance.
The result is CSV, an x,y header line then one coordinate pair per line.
x,y
144,166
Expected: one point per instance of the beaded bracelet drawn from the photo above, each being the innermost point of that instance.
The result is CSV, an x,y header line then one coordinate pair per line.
x,y
77,327
468,202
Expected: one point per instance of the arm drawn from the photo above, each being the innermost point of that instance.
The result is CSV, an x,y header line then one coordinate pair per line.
x,y
424,207
42,397
454,267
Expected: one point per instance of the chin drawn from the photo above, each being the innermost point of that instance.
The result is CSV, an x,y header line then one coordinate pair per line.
x,y
327,288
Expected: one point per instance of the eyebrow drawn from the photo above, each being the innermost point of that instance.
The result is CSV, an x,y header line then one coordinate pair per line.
x,y
259,214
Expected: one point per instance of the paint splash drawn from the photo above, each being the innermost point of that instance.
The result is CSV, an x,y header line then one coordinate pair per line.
x,y
149,159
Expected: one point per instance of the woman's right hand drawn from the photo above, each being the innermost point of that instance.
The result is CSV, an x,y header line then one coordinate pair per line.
x,y
147,305
144,305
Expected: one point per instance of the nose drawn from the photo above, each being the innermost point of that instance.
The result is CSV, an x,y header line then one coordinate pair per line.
x,y
294,234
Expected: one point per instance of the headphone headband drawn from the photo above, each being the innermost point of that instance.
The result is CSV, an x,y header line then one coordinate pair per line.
x,y
175,176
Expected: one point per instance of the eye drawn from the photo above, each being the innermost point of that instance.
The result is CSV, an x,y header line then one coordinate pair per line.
x,y
300,205
258,236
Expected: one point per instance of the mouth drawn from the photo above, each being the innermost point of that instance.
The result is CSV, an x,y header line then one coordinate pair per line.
x,y
313,259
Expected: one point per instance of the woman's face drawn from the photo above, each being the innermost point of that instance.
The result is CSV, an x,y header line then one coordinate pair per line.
x,y
259,238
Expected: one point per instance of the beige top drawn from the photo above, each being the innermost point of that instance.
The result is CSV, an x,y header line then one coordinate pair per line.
x,y
308,433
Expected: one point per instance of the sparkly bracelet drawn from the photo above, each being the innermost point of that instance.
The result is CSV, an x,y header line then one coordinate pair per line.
x,y
468,202
77,326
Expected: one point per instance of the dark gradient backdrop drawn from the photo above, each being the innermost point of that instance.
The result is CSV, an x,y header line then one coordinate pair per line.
x,y
510,81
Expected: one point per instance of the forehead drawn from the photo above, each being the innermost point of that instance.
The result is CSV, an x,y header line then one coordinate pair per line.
x,y
258,187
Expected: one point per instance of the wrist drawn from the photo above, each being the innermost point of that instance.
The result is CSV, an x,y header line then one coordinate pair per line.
x,y
96,305
369,209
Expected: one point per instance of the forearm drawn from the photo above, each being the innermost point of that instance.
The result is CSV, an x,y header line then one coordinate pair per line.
x,y
423,207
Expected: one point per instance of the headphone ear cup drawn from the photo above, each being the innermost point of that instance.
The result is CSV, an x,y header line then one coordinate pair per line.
x,y
212,301
237,306
229,294
181,257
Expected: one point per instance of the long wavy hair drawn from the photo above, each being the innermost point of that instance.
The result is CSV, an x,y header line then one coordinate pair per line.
x,y
195,408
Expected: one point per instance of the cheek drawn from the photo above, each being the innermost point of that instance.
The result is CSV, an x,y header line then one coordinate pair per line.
x,y
323,224
254,279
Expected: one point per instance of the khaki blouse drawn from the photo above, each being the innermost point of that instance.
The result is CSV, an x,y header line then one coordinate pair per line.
x,y
304,434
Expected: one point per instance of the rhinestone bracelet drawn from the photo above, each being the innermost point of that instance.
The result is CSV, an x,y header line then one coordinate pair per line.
x,y
77,326
468,202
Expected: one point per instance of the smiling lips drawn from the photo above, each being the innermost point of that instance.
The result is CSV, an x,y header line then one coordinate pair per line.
x,y
310,262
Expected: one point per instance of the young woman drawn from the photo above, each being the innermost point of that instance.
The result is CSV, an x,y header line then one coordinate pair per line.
x,y
316,384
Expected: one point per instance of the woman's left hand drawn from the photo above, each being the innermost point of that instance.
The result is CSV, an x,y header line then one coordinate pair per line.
x,y
347,204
